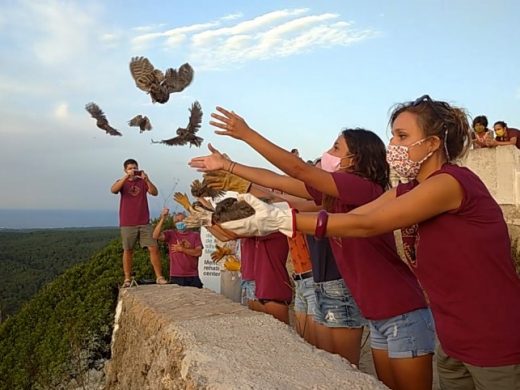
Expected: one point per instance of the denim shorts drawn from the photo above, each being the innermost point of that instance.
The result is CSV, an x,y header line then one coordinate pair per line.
x,y
335,306
405,335
304,296
248,291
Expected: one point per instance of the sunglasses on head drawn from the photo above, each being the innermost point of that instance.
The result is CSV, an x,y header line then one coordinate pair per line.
x,y
433,104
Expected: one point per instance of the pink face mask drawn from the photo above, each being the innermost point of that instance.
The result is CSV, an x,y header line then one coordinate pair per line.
x,y
329,162
399,160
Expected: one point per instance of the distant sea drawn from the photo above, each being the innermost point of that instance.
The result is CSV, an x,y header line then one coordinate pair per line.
x,y
47,219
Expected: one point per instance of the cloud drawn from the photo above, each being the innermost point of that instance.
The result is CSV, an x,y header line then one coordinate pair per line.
x,y
279,33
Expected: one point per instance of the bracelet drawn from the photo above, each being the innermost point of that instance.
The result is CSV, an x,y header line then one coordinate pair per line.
x,y
321,224
231,166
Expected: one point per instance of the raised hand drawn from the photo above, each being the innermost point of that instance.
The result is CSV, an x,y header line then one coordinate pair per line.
x,y
211,162
232,124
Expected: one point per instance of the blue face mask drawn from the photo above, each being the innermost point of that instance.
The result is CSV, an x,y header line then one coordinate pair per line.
x,y
181,226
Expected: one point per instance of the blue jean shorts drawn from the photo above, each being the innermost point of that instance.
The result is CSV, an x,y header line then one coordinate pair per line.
x,y
248,291
335,306
405,335
304,296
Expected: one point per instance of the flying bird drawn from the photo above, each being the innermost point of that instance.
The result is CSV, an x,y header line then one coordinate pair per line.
x,y
101,120
155,82
140,121
187,135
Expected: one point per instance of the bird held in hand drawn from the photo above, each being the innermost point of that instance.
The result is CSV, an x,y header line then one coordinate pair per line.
x,y
142,122
187,135
201,189
101,120
231,209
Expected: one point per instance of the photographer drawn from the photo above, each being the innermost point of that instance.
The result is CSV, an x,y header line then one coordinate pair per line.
x,y
134,218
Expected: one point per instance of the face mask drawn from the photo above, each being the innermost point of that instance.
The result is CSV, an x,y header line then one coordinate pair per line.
x,y
399,160
500,133
329,162
181,226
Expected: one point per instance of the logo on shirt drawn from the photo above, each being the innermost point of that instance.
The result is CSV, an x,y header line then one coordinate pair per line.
x,y
134,190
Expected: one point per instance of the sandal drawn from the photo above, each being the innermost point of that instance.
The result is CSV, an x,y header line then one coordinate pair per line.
x,y
127,283
161,280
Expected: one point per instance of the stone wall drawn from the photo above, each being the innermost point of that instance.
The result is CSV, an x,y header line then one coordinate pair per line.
x,y
171,337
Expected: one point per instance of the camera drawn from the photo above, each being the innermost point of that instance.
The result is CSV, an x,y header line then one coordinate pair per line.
x,y
138,173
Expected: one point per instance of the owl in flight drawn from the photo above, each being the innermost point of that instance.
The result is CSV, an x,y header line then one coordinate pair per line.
x,y
101,120
142,122
155,82
187,135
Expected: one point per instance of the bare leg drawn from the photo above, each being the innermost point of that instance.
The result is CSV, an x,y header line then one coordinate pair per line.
x,y
403,373
347,343
413,373
383,368
155,259
300,324
279,311
310,331
324,338
127,263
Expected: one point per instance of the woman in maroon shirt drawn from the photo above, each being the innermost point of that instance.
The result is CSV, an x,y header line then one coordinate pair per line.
x,y
458,239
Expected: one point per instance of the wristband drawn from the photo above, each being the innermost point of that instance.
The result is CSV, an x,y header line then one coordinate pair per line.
x,y
321,224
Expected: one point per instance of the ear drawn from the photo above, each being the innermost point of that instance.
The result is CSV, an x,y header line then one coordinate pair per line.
x,y
435,143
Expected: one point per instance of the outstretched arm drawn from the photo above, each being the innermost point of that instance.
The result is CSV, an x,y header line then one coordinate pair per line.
x,y
235,126
432,197
260,176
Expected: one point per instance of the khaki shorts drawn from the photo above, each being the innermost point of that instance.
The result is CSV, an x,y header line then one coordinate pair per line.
x,y
457,375
143,233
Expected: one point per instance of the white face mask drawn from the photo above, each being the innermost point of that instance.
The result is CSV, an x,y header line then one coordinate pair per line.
x,y
399,160
329,162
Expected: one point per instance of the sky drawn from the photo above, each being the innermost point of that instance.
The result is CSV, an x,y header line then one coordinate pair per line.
x,y
297,71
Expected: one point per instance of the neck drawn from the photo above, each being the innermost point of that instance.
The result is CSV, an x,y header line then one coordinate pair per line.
x,y
433,164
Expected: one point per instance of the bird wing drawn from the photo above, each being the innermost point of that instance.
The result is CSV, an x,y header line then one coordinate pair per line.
x,y
111,131
195,118
94,111
135,121
143,73
147,124
176,81
172,141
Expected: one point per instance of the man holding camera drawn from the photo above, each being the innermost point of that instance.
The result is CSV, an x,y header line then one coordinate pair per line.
x,y
134,218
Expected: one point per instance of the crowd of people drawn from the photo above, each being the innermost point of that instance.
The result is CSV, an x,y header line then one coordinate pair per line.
x,y
455,294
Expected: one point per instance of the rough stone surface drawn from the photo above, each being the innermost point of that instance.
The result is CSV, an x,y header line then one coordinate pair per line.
x,y
171,337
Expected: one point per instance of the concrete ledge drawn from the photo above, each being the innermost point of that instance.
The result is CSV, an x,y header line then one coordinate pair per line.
x,y
171,337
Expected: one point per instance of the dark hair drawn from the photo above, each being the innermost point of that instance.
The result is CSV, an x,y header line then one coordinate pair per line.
x,y
129,161
369,159
480,120
437,118
501,123
369,155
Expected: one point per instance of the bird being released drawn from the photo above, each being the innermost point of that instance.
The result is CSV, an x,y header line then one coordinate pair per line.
x,y
187,135
155,82
202,190
142,122
101,120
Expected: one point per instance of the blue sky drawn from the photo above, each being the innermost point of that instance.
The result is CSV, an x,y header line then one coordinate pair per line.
x,y
297,71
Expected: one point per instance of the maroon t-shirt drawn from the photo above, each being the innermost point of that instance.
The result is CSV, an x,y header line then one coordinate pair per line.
x,y
511,133
381,283
463,261
271,277
247,258
182,264
133,206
